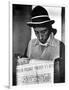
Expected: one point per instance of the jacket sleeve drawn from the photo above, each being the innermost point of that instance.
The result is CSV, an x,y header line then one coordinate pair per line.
x,y
59,73
62,62
29,50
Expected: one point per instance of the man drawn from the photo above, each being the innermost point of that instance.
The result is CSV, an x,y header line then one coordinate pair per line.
x,y
46,47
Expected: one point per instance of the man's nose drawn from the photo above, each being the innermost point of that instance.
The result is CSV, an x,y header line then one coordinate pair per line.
x,y
40,35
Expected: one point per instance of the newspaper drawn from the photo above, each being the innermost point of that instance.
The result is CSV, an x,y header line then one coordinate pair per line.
x,y
37,71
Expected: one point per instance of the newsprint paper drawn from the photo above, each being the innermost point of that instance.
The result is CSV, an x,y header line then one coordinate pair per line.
x,y
33,73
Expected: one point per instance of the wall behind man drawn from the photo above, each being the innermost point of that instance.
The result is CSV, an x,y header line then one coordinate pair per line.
x,y
21,32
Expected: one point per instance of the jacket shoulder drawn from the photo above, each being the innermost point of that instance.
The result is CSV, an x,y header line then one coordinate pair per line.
x,y
32,42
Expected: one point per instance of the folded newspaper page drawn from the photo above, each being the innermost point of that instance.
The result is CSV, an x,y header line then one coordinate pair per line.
x,y
36,71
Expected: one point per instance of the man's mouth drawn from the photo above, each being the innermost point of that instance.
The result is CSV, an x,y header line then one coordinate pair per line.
x,y
42,41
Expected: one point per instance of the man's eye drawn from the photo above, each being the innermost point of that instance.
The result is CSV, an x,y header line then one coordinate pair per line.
x,y
44,31
36,32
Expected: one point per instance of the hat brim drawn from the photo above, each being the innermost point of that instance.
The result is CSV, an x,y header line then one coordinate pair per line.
x,y
43,23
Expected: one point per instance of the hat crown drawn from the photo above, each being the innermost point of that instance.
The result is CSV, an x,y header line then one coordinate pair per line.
x,y
40,17
38,11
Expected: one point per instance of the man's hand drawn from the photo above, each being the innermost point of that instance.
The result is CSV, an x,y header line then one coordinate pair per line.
x,y
22,61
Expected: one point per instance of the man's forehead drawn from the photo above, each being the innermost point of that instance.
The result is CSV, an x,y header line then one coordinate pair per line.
x,y
40,28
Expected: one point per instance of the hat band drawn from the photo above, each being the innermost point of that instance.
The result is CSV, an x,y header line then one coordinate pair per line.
x,y
40,16
40,19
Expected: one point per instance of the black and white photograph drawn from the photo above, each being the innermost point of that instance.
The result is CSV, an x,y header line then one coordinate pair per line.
x,y
38,44
34,44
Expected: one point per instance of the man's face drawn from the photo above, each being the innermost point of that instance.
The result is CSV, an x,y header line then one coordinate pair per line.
x,y
42,33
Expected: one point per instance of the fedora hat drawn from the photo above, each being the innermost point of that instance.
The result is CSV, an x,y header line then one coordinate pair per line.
x,y
40,17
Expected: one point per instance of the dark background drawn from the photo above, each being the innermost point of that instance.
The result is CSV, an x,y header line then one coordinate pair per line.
x,y
21,33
